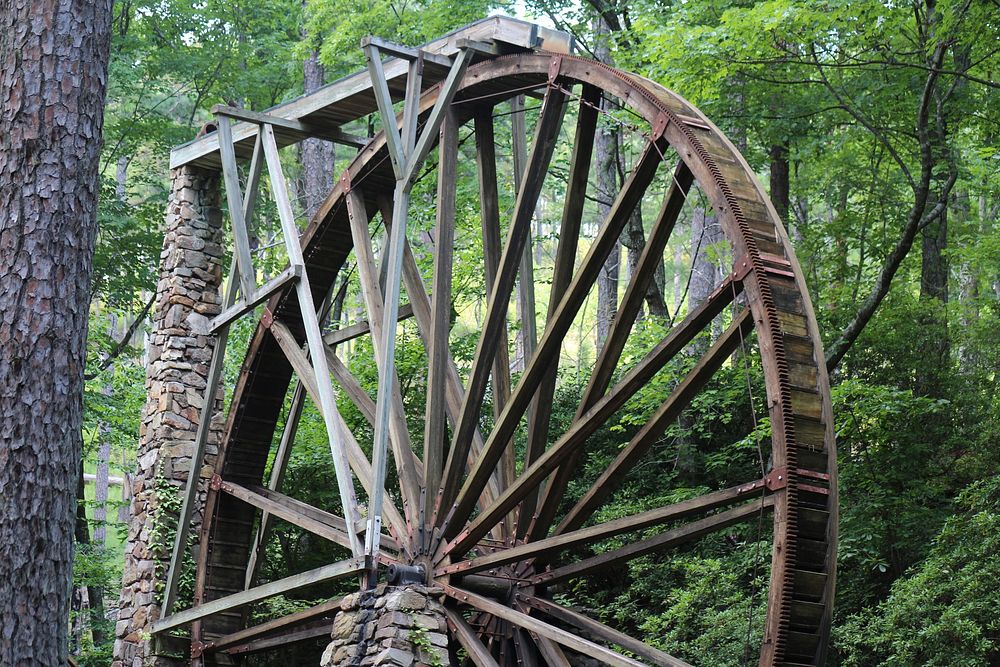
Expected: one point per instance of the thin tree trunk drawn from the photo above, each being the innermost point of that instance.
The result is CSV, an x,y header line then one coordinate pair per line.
x,y
606,154
780,180
53,77
317,155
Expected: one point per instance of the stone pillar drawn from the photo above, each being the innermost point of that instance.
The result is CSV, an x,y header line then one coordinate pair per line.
x,y
400,626
180,351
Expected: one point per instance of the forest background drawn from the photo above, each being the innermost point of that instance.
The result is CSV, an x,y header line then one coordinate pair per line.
x,y
875,125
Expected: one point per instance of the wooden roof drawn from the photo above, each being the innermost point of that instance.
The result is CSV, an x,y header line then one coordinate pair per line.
x,y
351,97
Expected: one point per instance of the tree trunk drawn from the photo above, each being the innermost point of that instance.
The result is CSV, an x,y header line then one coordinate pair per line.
x,y
53,77
606,154
317,155
779,181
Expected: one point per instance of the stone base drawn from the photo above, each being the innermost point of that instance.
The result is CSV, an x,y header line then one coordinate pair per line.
x,y
403,626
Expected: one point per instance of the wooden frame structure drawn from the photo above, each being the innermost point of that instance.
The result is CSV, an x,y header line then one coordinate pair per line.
x,y
496,533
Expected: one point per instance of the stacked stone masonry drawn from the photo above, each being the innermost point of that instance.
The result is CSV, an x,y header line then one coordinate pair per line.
x,y
401,626
180,352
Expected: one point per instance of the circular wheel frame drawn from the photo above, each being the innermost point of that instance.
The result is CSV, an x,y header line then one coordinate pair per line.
x,y
495,534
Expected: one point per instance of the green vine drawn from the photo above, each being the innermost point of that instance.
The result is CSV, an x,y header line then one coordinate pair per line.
x,y
419,639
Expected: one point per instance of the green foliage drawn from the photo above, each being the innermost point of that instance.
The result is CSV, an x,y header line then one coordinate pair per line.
x,y
943,611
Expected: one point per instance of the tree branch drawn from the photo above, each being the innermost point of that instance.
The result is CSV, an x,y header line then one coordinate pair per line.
x,y
123,343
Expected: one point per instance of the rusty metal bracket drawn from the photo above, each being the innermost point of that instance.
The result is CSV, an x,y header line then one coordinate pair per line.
x,y
660,126
776,479
216,482
555,66
198,648
345,179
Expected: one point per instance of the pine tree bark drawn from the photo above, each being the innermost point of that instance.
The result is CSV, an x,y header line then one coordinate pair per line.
x,y
53,78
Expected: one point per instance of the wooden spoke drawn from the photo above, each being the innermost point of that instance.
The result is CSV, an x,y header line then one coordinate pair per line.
x,y
548,348
236,600
665,540
435,432
551,653
545,549
678,400
467,637
268,643
490,213
546,134
601,631
407,466
562,275
541,628
594,418
621,326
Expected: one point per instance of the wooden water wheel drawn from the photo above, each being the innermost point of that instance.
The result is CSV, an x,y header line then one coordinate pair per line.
x,y
488,502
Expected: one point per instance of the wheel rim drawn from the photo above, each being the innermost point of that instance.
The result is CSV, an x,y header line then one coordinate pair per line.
x,y
803,476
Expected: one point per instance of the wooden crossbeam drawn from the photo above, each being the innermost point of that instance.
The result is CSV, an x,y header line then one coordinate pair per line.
x,y
353,331
306,129
236,600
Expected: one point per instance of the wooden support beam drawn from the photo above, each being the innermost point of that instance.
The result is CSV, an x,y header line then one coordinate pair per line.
x,y
234,197
665,540
305,129
410,478
328,608
435,431
602,631
314,336
552,340
236,600
421,304
541,628
325,529
257,297
587,425
267,643
395,50
353,331
358,461
667,413
546,134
